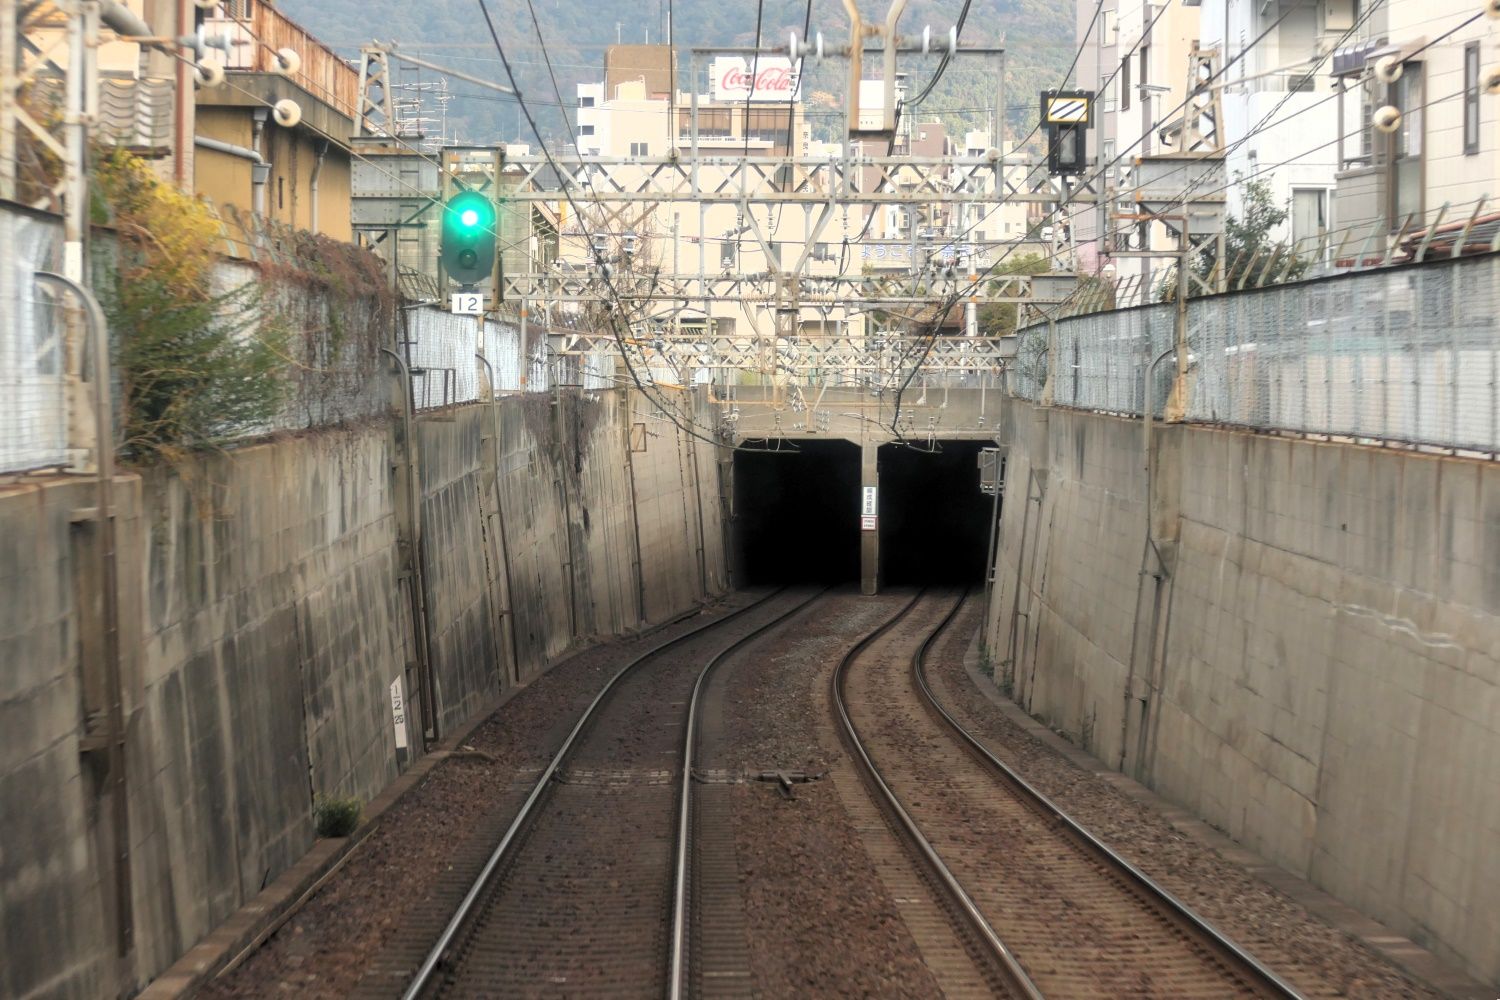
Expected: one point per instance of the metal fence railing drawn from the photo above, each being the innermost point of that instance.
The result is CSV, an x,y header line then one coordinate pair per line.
x,y
33,383
333,367
1403,354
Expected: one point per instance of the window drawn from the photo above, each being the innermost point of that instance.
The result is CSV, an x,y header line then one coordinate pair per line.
x,y
1410,100
1471,99
1145,64
639,149
585,130
1309,215
1406,145
586,101
1125,84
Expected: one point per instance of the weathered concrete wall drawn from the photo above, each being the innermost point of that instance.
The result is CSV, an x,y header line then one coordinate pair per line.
x,y
53,896
1317,672
266,611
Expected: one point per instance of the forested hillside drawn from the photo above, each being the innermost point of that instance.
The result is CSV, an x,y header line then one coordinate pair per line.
x,y
1038,36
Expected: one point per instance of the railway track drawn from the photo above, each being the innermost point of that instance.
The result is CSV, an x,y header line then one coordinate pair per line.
x,y
1052,910
586,892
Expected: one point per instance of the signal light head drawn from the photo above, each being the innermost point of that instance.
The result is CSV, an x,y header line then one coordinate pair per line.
x,y
468,243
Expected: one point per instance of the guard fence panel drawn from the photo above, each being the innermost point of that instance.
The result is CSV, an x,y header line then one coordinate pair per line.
x,y
442,351
33,373
1405,354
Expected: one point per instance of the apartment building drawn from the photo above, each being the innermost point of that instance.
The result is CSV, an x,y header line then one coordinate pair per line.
x,y
297,173
1136,58
1444,149
1278,102
630,113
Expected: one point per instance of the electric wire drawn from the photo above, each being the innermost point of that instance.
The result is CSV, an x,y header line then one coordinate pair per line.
x,y
619,338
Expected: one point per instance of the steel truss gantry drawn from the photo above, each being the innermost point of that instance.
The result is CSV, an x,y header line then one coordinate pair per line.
x,y
864,291
612,199
808,356
789,180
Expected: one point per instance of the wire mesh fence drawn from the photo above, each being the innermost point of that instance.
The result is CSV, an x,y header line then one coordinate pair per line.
x,y
33,383
1404,354
329,357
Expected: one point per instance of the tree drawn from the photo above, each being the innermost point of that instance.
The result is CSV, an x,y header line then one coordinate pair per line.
x,y
1247,240
998,319
1248,246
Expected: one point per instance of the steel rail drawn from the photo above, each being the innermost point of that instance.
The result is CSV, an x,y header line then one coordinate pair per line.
x,y
1006,959
423,978
677,962
1242,962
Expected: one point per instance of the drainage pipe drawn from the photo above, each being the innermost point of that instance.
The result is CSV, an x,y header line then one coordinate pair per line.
x,y
261,173
1147,412
104,518
419,578
312,222
259,168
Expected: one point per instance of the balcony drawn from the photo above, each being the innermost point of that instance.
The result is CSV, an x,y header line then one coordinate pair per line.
x,y
257,30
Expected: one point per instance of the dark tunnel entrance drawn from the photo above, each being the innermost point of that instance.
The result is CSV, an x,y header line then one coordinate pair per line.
x,y
796,513
934,518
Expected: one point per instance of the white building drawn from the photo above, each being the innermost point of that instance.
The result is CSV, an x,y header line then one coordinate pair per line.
x,y
1444,148
1136,60
1278,113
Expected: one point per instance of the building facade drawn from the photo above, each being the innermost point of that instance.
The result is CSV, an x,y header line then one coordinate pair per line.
x,y
1444,148
1136,58
1278,104
298,173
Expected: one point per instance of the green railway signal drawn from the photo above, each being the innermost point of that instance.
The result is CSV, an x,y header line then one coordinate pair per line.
x,y
468,246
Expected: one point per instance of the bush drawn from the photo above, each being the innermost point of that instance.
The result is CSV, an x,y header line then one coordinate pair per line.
x,y
335,816
197,366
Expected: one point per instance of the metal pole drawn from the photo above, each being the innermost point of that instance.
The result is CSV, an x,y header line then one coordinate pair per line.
x,y
1148,412
8,85
104,517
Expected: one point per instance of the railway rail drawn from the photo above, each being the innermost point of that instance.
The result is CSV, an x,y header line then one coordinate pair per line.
x,y
564,900
1055,910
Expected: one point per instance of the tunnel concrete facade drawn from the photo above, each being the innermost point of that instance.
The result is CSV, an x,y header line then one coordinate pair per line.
x,y
922,417
1313,667
266,611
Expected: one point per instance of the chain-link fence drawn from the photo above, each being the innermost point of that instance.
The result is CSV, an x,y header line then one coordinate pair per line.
x,y
1408,354
33,383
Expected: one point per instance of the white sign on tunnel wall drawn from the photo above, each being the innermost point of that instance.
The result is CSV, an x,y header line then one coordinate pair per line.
x,y
868,511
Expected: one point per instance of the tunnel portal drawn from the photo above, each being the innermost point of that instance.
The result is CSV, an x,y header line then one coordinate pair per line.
x,y
934,518
797,513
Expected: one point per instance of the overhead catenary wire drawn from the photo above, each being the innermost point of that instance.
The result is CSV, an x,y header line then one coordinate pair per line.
x,y
619,338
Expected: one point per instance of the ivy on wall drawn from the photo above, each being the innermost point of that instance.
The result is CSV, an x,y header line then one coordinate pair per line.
x,y
207,353
196,366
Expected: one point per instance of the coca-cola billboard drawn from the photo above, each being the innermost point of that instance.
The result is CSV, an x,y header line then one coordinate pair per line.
x,y
775,79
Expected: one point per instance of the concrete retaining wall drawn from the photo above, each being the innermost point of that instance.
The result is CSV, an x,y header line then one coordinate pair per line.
x,y
266,610
1317,672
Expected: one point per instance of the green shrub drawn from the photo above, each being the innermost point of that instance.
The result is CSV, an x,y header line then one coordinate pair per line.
x,y
336,817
